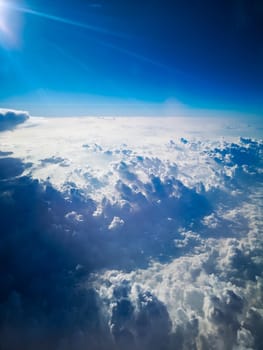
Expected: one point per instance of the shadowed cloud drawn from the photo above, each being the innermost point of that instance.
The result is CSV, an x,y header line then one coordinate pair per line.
x,y
9,119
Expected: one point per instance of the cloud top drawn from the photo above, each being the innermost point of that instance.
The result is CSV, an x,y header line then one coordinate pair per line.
x,y
9,118
146,242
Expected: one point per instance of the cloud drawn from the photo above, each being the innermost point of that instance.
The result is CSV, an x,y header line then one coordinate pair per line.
x,y
135,247
11,167
5,154
40,260
9,119
116,223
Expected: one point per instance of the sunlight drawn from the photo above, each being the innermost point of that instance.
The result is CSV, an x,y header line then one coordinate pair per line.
x,y
8,25
5,31
3,26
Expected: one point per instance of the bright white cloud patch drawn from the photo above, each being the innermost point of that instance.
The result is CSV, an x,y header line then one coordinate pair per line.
x,y
116,223
155,224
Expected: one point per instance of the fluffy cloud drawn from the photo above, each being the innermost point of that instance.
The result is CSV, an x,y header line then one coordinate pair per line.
x,y
116,223
9,119
157,246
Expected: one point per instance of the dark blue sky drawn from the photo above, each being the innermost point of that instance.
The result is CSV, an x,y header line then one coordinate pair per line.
x,y
131,57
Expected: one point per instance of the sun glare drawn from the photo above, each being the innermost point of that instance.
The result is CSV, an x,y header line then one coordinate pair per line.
x,y
3,24
8,26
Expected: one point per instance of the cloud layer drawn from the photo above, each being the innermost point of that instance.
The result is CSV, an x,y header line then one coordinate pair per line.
x,y
154,246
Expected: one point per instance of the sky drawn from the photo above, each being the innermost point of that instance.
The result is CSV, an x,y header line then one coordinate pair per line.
x,y
109,57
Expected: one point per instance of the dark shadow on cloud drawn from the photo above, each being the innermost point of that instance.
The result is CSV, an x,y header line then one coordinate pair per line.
x,y
55,161
152,218
5,154
254,323
9,119
247,157
11,167
41,303
148,325
46,255
52,160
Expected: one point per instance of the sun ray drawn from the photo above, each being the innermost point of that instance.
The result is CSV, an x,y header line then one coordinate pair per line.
x,y
64,20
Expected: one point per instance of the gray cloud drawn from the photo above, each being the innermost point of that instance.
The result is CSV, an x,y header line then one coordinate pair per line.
x,y
9,119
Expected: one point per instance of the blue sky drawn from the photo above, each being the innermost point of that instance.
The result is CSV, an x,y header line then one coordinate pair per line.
x,y
133,57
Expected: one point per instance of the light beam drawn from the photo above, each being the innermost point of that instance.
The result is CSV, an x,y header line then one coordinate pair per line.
x,y
64,20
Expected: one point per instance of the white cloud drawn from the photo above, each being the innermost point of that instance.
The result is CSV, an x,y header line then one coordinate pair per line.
x,y
73,216
116,223
184,265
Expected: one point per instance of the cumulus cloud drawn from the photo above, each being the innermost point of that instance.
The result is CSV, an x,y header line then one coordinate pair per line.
x,y
116,223
9,119
154,247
